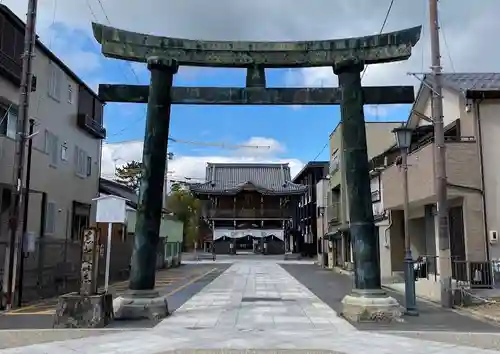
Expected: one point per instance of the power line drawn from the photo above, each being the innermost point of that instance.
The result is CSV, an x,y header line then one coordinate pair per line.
x,y
381,30
323,149
93,14
54,10
128,64
216,144
447,47
366,66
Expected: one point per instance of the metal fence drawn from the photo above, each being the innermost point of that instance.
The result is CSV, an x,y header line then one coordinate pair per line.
x,y
54,267
465,274
474,275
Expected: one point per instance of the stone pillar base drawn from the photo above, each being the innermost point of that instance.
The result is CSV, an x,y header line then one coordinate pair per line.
x,y
140,304
371,307
82,311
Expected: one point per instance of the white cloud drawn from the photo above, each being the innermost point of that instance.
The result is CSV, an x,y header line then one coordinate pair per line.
x,y
194,166
462,23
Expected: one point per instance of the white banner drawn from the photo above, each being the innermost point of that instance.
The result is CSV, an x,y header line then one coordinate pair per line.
x,y
220,233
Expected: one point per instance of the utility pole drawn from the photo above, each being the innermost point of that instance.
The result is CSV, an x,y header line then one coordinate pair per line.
x,y
22,127
20,253
445,272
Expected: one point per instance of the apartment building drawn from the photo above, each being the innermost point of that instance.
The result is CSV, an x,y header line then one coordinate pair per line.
x,y
471,102
306,214
66,153
379,137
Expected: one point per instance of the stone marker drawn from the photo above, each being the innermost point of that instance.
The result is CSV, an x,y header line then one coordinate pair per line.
x,y
86,308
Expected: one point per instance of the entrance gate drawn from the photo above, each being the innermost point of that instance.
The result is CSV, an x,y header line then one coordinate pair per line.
x,y
347,57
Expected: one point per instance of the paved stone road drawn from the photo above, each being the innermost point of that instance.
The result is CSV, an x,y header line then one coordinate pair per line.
x,y
253,305
180,284
331,287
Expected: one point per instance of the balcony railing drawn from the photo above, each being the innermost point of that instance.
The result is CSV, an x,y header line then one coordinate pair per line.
x,y
249,213
91,126
11,67
462,169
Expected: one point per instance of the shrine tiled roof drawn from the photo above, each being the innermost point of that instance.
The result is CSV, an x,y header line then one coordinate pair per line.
x,y
231,178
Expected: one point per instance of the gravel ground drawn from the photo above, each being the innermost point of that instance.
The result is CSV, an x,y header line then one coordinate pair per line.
x,y
489,341
19,338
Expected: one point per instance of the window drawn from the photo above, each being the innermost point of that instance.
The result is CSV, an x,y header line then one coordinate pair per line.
x,y
89,166
55,78
81,161
52,147
8,123
50,220
334,163
64,152
70,93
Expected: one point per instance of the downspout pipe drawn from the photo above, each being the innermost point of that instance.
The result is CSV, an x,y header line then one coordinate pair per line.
x,y
388,229
477,113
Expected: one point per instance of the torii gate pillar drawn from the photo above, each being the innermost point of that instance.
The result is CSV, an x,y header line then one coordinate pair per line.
x,y
367,302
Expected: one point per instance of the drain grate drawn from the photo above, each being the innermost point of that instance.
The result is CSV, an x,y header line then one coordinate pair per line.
x,y
259,299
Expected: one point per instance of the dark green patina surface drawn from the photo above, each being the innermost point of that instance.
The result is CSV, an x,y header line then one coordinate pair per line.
x,y
147,228
256,76
346,56
362,227
133,46
257,96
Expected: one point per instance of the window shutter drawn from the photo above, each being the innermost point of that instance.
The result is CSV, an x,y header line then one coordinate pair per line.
x,y
54,150
50,222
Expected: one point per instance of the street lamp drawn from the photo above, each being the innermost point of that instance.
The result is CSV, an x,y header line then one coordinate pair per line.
x,y
322,215
403,140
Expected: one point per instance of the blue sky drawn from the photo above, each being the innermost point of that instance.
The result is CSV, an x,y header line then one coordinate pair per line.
x,y
295,135
301,132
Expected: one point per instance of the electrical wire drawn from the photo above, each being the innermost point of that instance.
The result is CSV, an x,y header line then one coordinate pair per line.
x,y
128,64
424,22
323,149
447,48
221,145
109,23
54,10
388,12
381,30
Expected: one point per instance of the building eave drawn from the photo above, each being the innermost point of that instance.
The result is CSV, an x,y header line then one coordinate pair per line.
x,y
311,165
45,50
482,94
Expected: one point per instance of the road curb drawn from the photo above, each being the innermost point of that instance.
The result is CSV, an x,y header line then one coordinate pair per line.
x,y
458,310
481,317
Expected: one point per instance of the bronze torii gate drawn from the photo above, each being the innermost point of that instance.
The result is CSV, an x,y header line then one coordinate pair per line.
x,y
347,57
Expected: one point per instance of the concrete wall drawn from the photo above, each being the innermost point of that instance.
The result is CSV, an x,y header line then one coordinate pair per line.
x,y
487,116
379,137
168,227
462,169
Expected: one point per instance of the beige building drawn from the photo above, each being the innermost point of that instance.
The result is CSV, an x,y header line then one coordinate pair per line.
x,y
66,154
379,137
471,103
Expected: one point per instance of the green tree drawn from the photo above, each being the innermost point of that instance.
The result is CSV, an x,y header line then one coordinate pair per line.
x,y
129,174
176,187
187,208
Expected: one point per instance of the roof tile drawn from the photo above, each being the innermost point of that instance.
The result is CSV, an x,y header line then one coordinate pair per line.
x,y
231,177
470,81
